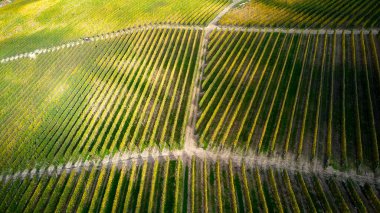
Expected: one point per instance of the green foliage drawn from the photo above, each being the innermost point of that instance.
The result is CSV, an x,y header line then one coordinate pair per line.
x,y
29,25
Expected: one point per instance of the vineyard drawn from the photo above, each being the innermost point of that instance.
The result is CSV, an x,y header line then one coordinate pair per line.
x,y
190,106
310,95
306,14
119,94
191,184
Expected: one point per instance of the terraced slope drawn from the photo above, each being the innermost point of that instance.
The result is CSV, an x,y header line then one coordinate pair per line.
x,y
306,14
303,95
27,25
119,94
180,185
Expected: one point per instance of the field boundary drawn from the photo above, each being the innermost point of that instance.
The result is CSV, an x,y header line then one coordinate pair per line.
x,y
190,137
258,161
34,53
329,31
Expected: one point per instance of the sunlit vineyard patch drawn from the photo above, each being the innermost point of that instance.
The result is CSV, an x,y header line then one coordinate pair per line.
x,y
121,94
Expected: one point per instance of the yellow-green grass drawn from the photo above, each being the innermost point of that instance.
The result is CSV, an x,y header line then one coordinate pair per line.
x,y
26,25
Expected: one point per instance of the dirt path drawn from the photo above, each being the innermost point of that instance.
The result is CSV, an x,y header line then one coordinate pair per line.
x,y
33,54
263,162
190,137
207,30
5,2
375,31
222,13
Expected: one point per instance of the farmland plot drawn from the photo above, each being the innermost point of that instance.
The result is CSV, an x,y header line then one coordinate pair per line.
x,y
314,96
125,93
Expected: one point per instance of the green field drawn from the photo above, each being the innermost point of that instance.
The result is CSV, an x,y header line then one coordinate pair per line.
x,y
119,94
190,106
26,25
306,14
178,186
312,95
